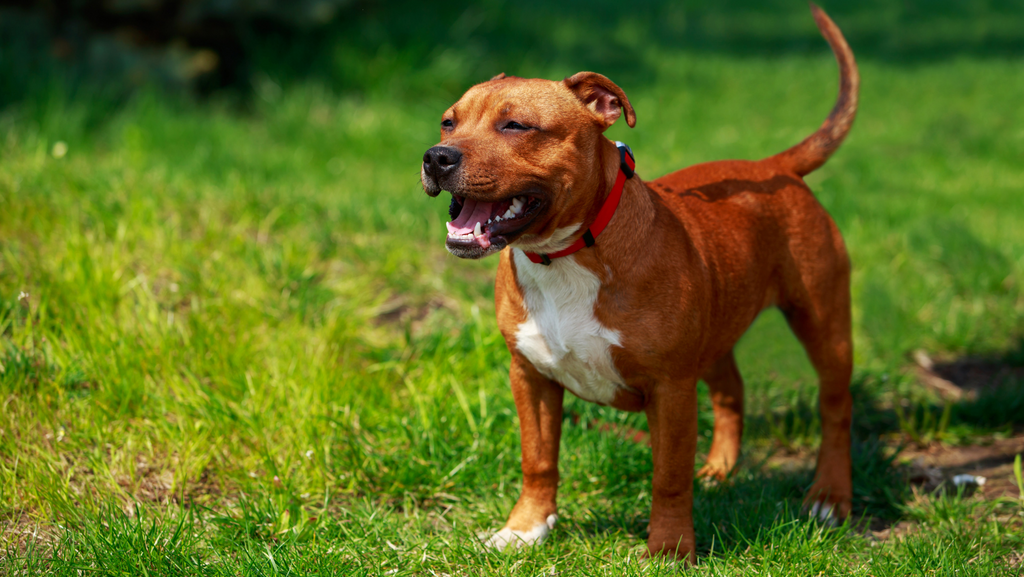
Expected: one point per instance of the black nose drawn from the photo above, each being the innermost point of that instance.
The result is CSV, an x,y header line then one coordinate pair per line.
x,y
441,161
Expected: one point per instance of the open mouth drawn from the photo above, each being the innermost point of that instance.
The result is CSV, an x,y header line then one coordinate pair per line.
x,y
475,222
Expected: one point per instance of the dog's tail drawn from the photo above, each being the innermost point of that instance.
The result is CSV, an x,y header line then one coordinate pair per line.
x,y
816,148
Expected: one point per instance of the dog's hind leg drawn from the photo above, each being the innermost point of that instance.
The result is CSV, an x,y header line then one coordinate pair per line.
x,y
822,323
726,384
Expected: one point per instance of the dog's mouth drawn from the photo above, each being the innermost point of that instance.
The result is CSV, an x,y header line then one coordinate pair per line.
x,y
478,228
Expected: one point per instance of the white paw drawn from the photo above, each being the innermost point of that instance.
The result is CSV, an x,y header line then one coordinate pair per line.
x,y
823,512
516,539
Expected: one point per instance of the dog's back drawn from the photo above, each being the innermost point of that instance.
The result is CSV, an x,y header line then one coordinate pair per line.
x,y
734,209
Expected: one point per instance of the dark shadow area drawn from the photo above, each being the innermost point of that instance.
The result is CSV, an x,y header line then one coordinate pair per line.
x,y
985,469
998,392
980,374
725,189
727,515
895,449
405,46
722,514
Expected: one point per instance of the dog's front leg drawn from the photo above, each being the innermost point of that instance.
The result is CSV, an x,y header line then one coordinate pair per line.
x,y
539,404
672,417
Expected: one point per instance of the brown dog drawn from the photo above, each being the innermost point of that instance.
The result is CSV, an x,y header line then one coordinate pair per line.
x,y
631,312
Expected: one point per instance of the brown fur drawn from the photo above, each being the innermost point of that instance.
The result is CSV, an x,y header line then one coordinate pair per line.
x,y
686,264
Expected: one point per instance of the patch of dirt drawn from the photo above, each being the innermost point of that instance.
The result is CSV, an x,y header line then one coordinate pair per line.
x,y
399,311
150,484
977,374
882,530
1015,560
932,466
203,491
19,532
788,459
936,464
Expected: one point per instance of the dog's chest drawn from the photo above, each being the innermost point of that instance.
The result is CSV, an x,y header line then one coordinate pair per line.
x,y
561,336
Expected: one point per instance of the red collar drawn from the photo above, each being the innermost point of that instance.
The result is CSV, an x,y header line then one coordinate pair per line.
x,y
628,163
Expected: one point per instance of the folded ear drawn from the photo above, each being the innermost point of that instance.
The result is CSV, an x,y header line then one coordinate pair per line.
x,y
602,97
499,77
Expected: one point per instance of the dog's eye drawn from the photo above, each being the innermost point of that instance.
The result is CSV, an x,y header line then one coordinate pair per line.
x,y
513,125
447,123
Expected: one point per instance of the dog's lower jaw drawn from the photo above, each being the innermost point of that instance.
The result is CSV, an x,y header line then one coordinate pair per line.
x,y
507,537
472,250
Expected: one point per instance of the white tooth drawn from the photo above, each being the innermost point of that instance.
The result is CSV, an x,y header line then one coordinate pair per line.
x,y
477,230
497,219
516,209
517,202
508,213
490,220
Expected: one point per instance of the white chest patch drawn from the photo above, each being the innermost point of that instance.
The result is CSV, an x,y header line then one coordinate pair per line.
x,y
561,336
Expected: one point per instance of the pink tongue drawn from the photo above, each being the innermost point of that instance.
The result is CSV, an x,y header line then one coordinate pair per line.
x,y
472,213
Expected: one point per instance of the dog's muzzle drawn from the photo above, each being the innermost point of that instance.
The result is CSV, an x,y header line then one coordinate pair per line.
x,y
439,163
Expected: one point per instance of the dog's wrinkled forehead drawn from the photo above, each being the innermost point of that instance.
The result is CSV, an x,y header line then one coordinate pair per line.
x,y
533,102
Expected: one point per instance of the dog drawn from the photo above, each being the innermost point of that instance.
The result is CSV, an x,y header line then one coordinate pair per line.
x,y
626,292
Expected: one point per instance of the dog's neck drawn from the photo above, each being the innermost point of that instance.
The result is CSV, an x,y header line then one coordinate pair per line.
x,y
629,232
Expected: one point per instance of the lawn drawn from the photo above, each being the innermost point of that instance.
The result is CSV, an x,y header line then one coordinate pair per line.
x,y
232,341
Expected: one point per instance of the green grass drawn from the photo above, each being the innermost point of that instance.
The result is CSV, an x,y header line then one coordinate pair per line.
x,y
244,349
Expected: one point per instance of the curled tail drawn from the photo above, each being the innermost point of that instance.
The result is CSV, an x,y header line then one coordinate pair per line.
x,y
816,148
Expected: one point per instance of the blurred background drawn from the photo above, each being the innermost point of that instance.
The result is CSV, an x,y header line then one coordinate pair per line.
x,y
206,47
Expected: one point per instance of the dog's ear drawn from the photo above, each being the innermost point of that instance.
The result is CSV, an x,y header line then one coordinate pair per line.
x,y
498,77
602,97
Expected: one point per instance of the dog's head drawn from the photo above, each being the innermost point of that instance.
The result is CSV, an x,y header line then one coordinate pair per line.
x,y
521,159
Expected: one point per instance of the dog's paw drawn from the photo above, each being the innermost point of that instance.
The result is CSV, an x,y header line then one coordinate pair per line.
x,y
828,503
718,468
713,474
823,512
508,537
